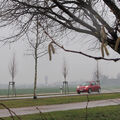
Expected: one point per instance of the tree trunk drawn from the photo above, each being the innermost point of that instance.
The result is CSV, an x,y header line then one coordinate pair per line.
x,y
65,86
113,7
35,79
36,62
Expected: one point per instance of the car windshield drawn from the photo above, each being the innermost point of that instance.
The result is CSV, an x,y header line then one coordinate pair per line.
x,y
85,84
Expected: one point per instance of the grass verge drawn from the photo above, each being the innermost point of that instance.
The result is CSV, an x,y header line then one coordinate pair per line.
x,y
56,100
98,113
38,91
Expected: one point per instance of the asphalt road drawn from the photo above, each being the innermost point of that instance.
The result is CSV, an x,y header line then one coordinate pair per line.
x,y
59,107
39,96
53,95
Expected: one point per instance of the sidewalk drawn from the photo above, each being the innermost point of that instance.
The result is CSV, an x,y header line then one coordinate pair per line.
x,y
59,107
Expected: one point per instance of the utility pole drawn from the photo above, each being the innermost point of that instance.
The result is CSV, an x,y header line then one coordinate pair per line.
x,y
97,74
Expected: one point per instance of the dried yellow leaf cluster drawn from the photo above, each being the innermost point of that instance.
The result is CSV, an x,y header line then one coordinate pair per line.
x,y
51,50
117,44
104,43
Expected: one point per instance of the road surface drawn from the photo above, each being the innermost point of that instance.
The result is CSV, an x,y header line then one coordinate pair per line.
x,y
59,107
53,95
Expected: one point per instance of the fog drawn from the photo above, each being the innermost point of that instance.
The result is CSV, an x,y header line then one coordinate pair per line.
x,y
80,68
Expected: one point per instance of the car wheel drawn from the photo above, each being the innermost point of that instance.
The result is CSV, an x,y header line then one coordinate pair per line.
x,y
99,90
89,91
78,92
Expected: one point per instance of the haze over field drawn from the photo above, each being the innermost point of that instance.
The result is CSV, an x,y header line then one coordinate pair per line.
x,y
80,68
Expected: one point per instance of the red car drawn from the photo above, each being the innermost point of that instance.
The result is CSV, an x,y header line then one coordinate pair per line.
x,y
90,86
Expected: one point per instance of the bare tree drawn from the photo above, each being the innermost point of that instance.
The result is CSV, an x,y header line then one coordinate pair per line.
x,y
111,4
13,68
65,73
13,71
65,70
38,49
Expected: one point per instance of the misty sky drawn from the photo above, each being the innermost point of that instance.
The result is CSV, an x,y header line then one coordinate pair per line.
x,y
80,68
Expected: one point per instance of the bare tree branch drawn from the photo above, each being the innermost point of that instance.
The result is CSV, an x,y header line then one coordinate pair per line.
x,y
79,52
82,16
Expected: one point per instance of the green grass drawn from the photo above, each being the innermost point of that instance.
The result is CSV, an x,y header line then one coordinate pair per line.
x,y
98,113
56,100
39,90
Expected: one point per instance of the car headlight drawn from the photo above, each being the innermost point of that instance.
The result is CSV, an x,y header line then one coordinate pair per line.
x,y
78,86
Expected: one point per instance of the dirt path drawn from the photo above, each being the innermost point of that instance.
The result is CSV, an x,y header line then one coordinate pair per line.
x,y
60,107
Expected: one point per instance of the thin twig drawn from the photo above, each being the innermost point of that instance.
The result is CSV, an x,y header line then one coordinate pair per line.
x,y
11,112
78,52
41,114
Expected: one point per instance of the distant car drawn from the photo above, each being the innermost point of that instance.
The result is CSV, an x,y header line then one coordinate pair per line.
x,y
89,86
